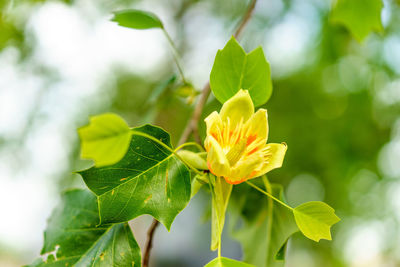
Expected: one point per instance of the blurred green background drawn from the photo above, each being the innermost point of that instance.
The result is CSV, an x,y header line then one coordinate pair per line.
x,y
336,103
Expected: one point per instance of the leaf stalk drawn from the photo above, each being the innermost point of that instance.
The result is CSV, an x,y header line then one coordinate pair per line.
x,y
175,55
269,195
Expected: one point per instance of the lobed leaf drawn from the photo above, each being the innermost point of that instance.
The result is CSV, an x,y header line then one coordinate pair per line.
x,y
233,70
150,179
137,19
359,16
105,139
73,239
315,219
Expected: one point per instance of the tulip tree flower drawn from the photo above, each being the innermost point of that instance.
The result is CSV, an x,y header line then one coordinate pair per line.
x,y
237,141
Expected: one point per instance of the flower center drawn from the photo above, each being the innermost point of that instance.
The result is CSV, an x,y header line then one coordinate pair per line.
x,y
236,152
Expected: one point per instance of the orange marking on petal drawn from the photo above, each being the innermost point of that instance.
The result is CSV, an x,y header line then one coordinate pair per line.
x,y
230,134
252,174
251,139
251,152
235,182
214,135
208,147
209,167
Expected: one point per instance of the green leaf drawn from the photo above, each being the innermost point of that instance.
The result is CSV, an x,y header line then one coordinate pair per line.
x,y
221,193
197,182
267,224
233,70
359,16
150,179
72,238
315,219
137,19
105,139
225,262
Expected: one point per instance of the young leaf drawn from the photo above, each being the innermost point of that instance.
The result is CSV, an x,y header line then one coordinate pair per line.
x,y
221,193
72,238
225,262
267,224
359,16
105,139
315,219
233,70
149,180
137,19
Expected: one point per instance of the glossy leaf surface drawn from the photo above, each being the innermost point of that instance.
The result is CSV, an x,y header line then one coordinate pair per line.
x,y
150,179
72,238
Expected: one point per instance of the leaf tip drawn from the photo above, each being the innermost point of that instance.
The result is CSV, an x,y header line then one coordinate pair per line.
x,y
315,219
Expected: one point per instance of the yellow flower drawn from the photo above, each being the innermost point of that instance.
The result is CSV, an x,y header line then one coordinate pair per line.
x,y
237,141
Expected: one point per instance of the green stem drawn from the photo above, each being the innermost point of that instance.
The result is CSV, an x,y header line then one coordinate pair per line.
x,y
175,55
269,195
214,204
219,246
166,147
270,211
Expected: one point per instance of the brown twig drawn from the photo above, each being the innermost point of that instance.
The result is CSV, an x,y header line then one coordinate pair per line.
x,y
149,244
192,127
245,19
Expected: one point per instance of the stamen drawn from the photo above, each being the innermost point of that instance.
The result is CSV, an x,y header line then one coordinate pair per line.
x,y
237,132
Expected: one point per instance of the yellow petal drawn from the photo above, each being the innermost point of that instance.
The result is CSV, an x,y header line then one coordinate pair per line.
x,y
216,160
257,125
244,170
214,123
274,155
239,107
